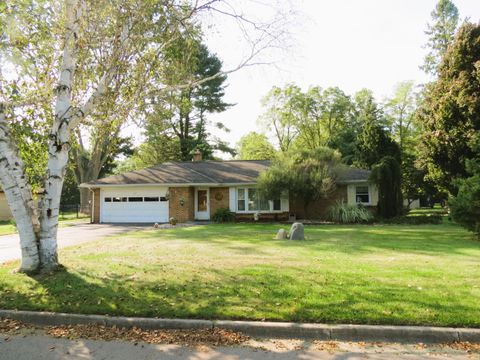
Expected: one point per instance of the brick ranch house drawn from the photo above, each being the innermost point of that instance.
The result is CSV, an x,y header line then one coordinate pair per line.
x,y
196,190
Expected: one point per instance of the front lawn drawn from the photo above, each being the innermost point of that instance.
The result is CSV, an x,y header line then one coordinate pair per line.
x,y
385,274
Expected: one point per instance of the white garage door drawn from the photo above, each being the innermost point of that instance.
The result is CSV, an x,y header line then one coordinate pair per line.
x,y
133,205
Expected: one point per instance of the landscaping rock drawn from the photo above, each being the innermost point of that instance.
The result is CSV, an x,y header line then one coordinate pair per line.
x,y
297,232
282,235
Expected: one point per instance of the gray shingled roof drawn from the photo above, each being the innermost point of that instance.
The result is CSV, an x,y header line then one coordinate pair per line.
x,y
207,172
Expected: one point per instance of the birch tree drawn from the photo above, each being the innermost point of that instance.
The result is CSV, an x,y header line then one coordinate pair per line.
x,y
76,56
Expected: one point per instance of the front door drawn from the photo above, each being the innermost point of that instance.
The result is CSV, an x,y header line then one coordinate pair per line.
x,y
202,204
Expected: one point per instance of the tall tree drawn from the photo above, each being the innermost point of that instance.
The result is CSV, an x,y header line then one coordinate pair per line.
x,y
450,112
440,34
186,110
255,146
283,109
325,115
400,110
373,142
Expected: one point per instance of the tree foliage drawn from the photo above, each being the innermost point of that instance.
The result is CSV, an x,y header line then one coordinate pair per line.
x,y
465,207
306,175
255,146
440,34
387,176
283,109
400,111
373,142
183,113
450,112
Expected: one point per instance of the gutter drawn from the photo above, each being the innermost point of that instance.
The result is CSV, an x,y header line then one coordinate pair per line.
x,y
96,186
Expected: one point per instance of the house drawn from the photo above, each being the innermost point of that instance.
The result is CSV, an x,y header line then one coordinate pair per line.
x,y
196,190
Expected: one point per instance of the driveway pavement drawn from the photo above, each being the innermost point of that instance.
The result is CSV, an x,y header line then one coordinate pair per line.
x,y
67,236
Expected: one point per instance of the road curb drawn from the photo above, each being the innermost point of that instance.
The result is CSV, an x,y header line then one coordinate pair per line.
x,y
402,334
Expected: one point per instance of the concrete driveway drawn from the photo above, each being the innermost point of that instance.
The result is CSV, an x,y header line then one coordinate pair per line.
x,y
67,236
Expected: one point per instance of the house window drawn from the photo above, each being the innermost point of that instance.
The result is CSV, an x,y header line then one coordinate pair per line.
x,y
241,200
362,195
150,198
277,205
117,199
249,199
135,199
257,202
108,199
252,203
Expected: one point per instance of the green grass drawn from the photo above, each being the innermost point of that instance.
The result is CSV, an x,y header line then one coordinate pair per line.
x,y
437,210
385,274
8,227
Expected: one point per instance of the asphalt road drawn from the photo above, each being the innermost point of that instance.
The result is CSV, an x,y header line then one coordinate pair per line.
x,y
67,236
41,347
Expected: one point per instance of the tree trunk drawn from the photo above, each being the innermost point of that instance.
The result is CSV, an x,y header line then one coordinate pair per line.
x,y
19,197
85,197
59,145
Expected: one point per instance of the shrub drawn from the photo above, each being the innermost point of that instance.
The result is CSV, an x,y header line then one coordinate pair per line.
x,y
223,215
344,213
465,207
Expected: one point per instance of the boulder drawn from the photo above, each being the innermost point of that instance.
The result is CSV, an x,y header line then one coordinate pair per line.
x,y
297,232
281,235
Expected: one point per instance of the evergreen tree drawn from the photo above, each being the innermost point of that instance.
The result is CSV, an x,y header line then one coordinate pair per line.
x,y
182,114
387,175
440,34
450,112
373,142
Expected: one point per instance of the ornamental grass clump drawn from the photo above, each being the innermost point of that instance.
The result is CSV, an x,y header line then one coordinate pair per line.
x,y
344,213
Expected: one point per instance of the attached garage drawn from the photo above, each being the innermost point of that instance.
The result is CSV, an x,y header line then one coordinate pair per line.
x,y
134,204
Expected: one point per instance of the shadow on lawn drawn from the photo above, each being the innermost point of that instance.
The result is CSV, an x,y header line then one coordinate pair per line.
x,y
255,294
351,239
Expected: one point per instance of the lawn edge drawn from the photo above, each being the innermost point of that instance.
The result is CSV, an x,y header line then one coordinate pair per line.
x,y
340,332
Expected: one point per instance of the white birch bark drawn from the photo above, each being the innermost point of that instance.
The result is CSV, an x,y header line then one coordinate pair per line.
x,y
59,145
19,196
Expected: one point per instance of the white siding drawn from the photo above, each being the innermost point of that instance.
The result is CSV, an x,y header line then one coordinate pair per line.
x,y
232,199
285,203
373,194
351,194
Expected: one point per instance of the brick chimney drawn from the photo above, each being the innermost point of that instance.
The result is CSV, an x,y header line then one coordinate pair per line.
x,y
197,156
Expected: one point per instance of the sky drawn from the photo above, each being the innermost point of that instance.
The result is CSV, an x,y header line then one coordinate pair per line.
x,y
352,44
